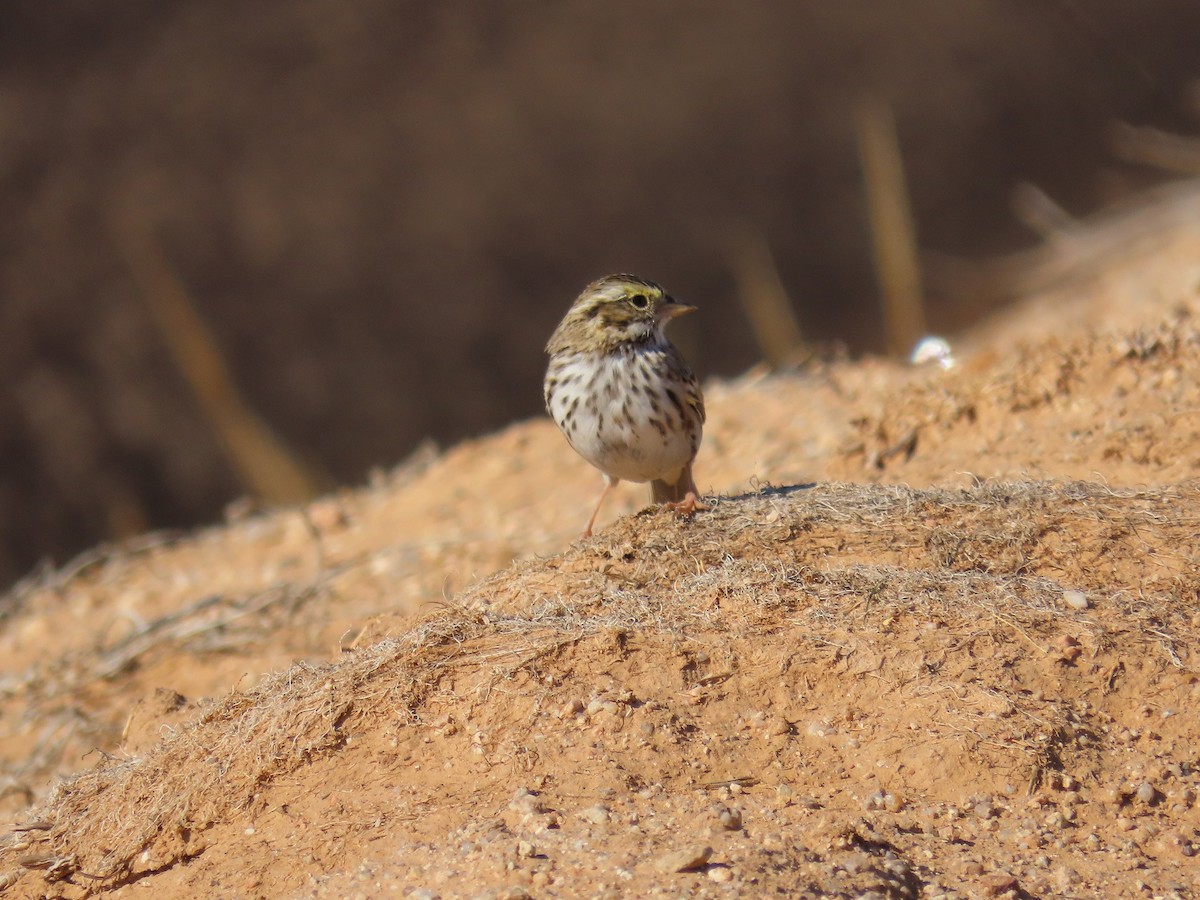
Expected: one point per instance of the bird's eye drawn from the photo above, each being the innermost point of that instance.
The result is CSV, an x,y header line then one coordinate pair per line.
x,y
639,301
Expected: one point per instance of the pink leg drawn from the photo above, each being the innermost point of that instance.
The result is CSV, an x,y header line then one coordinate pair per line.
x,y
687,505
609,484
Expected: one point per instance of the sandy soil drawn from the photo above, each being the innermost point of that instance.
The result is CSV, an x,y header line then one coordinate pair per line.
x,y
934,637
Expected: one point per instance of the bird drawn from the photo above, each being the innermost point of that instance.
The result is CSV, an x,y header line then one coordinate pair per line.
x,y
622,394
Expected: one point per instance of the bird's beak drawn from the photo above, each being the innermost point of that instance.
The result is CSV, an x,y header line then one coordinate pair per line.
x,y
674,309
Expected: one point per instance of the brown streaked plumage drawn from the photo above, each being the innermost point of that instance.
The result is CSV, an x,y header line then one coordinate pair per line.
x,y
621,393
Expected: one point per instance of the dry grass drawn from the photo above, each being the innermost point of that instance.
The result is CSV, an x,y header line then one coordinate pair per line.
x,y
812,577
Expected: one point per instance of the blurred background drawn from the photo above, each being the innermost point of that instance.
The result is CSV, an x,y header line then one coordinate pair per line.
x,y
332,229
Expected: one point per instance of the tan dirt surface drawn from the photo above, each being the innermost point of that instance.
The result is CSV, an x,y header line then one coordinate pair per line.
x,y
933,637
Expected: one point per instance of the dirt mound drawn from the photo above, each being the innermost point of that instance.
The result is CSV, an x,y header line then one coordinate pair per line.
x,y
777,678
934,636
380,210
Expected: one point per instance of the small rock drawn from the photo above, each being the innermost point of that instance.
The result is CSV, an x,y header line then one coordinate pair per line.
x,y
526,850
1065,878
777,726
1069,647
772,841
687,859
932,349
1146,793
998,883
720,874
730,819
572,708
1177,841
526,802
601,704
597,815
1075,599
820,729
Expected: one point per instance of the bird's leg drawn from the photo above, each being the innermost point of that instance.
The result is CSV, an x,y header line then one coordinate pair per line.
x,y
681,496
609,484
687,505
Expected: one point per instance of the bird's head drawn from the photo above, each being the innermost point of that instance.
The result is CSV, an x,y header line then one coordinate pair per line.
x,y
615,310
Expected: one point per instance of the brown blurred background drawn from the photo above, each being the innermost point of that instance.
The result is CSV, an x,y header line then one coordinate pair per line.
x,y
380,209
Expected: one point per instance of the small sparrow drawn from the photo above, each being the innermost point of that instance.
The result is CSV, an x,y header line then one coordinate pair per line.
x,y
622,394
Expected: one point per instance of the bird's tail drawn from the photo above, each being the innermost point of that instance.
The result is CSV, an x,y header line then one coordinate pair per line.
x,y
664,492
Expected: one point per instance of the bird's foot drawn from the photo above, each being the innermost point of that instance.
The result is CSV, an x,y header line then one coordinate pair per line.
x,y
687,506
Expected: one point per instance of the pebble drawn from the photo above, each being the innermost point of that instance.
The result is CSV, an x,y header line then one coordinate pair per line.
x,y
1146,792
777,726
720,874
998,883
1069,647
1065,878
572,708
772,841
597,815
602,704
731,819
820,729
525,801
1075,599
686,859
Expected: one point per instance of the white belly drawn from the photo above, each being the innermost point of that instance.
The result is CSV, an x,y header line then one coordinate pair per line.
x,y
627,434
